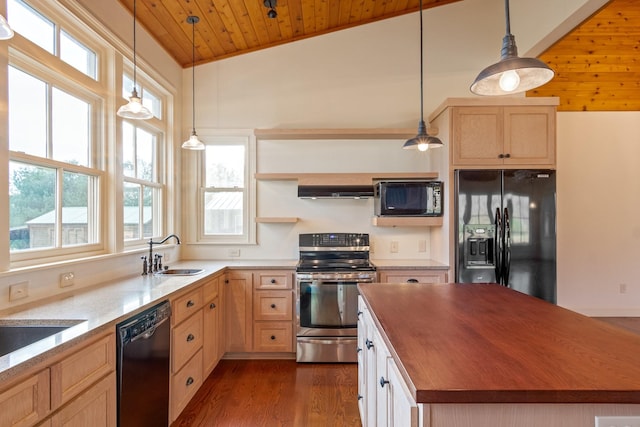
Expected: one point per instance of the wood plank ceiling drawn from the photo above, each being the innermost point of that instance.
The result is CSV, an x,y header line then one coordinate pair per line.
x,y
597,64
233,27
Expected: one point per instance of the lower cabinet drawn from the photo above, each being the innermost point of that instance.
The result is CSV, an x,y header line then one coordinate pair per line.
x,y
384,398
421,275
76,389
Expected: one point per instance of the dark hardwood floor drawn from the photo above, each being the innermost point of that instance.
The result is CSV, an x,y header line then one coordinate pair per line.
x,y
275,393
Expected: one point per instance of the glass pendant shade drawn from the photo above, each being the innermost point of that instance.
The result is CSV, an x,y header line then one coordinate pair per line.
x,y
193,143
5,30
134,109
422,141
511,74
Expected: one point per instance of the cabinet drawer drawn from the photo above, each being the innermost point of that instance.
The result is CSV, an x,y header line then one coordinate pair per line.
x,y
273,336
186,340
95,407
211,289
186,305
27,402
273,305
185,383
274,280
408,277
78,371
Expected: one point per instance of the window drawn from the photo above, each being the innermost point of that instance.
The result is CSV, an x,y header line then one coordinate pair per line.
x,y
149,99
53,187
40,30
227,207
143,189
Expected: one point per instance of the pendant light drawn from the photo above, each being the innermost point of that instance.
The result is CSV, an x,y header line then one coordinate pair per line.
x,y
511,74
193,143
422,141
134,109
5,30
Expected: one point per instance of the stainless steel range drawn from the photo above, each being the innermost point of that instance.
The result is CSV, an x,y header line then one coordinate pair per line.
x,y
331,266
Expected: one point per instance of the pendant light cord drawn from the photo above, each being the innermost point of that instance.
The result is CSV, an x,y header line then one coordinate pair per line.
x,y
421,68
134,46
193,75
506,14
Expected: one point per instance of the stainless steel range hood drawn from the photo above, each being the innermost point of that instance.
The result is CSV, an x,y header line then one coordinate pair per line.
x,y
335,191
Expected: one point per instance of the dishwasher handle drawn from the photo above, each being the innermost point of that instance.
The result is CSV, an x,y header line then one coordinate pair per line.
x,y
149,332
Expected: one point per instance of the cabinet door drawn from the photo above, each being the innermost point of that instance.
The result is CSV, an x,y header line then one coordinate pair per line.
x,y
27,402
211,344
363,399
95,407
477,135
402,409
371,375
529,136
185,383
238,311
382,381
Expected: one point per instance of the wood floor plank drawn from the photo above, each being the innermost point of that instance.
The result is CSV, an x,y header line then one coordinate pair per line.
x,y
275,393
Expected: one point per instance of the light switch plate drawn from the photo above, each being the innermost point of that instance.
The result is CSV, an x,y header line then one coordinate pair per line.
x,y
628,421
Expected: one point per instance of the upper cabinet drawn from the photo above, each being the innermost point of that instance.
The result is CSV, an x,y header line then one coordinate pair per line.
x,y
501,132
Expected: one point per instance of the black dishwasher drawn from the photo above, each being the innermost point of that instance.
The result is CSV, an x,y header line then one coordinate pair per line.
x,y
143,368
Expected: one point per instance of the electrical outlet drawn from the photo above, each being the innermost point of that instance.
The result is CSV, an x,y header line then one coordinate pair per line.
x,y
18,291
234,252
372,247
422,245
623,288
67,279
394,247
607,421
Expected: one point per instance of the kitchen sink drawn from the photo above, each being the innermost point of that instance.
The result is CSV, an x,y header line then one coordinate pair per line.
x,y
181,271
14,337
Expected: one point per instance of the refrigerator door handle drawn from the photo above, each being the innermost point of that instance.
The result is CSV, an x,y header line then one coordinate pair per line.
x,y
497,246
507,248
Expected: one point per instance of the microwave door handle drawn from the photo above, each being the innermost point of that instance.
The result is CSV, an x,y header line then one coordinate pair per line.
x,y
507,248
497,246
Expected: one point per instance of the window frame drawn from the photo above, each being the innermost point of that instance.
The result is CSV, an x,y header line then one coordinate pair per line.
x,y
218,137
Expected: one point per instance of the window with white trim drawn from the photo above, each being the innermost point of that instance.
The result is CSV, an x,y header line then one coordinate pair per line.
x,y
226,190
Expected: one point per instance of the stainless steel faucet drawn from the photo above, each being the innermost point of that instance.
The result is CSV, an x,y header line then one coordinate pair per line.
x,y
155,264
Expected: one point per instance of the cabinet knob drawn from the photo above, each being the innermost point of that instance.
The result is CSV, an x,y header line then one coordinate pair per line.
x,y
190,303
212,306
358,350
273,337
273,306
383,382
273,281
359,313
360,397
369,344
506,156
190,337
189,381
501,156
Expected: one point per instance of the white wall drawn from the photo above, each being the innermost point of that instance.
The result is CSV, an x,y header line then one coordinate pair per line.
x,y
598,212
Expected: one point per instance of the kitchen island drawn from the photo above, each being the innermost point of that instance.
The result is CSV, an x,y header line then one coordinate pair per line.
x,y
484,355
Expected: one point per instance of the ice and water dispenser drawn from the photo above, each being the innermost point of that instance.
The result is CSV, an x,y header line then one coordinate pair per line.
x,y
479,245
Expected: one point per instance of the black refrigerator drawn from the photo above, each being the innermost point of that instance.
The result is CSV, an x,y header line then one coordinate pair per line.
x,y
506,229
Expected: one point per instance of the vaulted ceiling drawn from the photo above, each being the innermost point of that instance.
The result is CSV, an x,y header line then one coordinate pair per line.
x,y
597,64
233,27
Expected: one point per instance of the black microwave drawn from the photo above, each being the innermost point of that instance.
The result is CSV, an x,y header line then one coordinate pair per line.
x,y
408,198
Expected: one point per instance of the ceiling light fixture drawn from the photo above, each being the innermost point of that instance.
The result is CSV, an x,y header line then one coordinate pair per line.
x,y
511,74
193,143
271,5
5,30
134,109
422,141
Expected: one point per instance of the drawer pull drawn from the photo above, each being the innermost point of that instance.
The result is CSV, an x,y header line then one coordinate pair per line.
x,y
412,281
212,306
273,337
273,281
190,303
190,337
273,306
189,381
383,382
369,344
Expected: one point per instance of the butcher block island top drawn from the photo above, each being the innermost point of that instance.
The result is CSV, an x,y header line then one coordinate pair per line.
x,y
483,343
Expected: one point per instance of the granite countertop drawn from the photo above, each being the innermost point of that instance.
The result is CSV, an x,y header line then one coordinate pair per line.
x,y
483,343
99,308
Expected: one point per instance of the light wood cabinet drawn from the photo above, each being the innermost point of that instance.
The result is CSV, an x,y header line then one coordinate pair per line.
x,y
27,402
238,311
185,383
212,348
504,136
273,311
186,340
96,407
412,276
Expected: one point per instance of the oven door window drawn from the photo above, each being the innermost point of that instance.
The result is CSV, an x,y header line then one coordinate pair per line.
x,y
328,304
